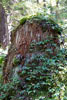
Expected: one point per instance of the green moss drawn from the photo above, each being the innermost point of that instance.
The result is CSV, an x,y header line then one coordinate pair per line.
x,y
16,61
2,59
43,21
23,20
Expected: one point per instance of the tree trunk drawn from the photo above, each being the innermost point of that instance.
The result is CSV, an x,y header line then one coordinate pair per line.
x,y
51,9
44,3
23,36
38,1
57,9
29,45
3,27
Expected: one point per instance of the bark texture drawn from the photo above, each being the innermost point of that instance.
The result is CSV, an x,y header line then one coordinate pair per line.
x,y
4,37
21,39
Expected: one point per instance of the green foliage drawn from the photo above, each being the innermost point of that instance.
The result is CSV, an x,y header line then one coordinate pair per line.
x,y
2,58
45,76
41,77
9,90
42,74
22,21
16,61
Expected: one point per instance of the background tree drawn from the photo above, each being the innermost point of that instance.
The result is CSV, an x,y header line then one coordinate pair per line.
x,y
4,37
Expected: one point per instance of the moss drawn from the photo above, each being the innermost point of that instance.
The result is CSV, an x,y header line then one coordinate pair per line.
x,y
23,20
16,61
43,21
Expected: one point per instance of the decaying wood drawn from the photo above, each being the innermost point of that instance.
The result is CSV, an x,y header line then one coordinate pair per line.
x,y
21,39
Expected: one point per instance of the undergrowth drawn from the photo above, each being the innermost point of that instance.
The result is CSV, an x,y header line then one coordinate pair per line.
x,y
43,76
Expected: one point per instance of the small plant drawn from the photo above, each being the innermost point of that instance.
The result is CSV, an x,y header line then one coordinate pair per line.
x,y
16,61
2,58
43,76
9,90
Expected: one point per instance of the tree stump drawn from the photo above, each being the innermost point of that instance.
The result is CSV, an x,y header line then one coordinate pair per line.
x,y
32,39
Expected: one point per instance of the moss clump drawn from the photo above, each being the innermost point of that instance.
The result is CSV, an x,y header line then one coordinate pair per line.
x,y
2,59
23,20
16,61
43,21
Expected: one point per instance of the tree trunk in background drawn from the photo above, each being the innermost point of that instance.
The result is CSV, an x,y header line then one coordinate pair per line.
x,y
44,3
37,1
3,27
51,9
57,6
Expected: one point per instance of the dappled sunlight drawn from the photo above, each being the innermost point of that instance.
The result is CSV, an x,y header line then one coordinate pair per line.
x,y
33,65
2,51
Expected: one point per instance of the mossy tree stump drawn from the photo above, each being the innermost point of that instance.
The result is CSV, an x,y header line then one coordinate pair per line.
x,y
34,42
